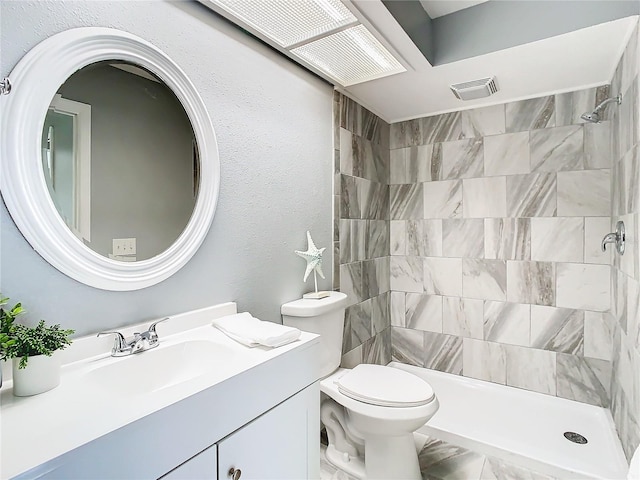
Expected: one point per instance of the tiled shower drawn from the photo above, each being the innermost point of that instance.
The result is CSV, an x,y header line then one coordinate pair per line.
x,y
469,242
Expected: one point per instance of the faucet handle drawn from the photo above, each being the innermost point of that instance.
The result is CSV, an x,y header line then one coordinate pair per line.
x,y
120,343
152,327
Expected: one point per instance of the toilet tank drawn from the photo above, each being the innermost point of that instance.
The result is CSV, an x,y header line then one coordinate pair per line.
x,y
324,317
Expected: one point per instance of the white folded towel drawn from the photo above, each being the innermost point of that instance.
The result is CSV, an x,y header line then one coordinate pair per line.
x,y
250,331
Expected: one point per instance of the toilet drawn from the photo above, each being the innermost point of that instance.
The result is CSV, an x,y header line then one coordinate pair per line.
x,y
371,411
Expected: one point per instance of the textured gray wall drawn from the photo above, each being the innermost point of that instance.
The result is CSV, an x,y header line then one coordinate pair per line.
x,y
273,125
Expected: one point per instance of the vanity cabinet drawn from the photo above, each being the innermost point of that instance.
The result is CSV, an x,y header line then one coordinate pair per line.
x,y
281,444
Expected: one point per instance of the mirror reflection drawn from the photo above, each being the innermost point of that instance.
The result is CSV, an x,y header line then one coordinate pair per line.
x,y
120,160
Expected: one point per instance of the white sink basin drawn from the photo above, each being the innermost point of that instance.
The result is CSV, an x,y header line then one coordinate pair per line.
x,y
162,367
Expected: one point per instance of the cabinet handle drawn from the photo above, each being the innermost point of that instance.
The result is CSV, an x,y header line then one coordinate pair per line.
x,y
234,473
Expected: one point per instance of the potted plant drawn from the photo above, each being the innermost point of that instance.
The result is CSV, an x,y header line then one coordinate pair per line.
x,y
35,367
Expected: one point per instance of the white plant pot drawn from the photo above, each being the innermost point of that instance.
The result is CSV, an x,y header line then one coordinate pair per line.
x,y
41,374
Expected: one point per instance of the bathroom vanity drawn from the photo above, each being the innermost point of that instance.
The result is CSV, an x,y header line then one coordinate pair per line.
x,y
199,406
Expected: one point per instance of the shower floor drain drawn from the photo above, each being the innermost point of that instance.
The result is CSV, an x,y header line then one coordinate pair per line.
x,y
575,437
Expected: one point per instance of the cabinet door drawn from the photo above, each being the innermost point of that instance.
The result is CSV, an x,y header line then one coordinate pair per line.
x,y
282,444
201,467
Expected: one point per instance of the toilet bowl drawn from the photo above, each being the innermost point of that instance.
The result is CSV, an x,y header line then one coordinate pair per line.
x,y
371,411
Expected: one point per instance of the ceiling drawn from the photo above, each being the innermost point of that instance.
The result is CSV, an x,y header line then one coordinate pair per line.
x,y
531,47
439,8
578,59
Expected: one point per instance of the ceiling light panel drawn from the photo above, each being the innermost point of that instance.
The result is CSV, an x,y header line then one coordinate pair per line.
x,y
350,56
289,22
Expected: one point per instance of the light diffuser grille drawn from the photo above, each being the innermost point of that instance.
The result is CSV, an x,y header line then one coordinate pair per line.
x,y
351,56
289,22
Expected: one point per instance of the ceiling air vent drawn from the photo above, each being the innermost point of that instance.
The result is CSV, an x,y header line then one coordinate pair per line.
x,y
475,88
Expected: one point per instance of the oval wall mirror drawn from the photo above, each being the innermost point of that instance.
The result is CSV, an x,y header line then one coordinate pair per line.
x,y
110,167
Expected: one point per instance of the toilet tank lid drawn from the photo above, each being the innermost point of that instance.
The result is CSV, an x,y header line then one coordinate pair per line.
x,y
310,307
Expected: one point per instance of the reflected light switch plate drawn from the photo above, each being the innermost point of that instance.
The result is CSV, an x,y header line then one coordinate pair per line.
x,y
124,246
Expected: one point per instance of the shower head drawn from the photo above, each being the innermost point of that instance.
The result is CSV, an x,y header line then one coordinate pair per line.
x,y
594,117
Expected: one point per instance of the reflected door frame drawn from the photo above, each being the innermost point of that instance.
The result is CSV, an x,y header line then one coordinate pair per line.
x,y
81,114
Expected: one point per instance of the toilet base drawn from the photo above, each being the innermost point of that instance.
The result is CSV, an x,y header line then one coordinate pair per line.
x,y
391,458
354,466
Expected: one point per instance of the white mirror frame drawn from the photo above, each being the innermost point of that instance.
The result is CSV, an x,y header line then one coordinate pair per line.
x,y
35,80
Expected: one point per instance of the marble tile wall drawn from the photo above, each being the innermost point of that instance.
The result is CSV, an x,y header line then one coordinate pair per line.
x,y
496,217
625,274
361,231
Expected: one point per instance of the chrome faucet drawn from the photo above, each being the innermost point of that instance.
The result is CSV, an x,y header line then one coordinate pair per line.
x,y
140,342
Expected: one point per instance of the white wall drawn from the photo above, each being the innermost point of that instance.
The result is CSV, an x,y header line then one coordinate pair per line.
x,y
273,125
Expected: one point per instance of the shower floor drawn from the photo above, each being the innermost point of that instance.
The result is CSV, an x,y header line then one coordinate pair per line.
x,y
488,431
522,428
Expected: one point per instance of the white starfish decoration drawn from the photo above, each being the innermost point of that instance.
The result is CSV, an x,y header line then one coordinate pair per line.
x,y
313,256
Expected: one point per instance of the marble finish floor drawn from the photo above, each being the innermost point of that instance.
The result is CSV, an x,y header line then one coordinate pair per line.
x,y
444,461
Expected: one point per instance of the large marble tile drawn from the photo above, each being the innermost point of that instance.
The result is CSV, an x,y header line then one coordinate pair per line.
x,y
595,228
377,349
532,195
424,237
424,163
463,317
377,243
583,379
376,162
463,237
484,361
349,197
556,149
442,199
597,145
346,152
374,129
507,323
507,238
398,166
482,122
443,352
531,369
598,335
406,202
380,313
350,115
397,308
585,193
374,200
398,237
583,286
484,279
357,321
631,180
407,346
557,239
484,197
507,154
423,312
407,274
352,240
404,134
446,127
351,282
530,114
443,276
531,282
439,460
462,159
629,62
375,277
557,329
497,469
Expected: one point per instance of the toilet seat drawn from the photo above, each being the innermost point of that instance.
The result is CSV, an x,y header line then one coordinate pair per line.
x,y
385,387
